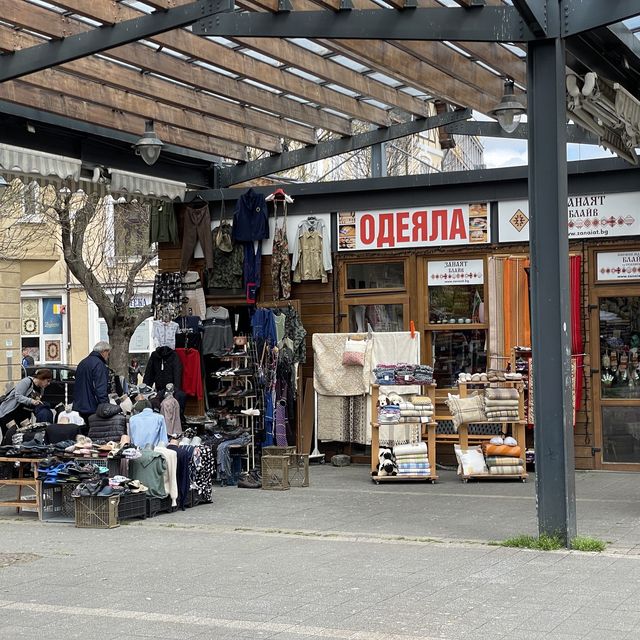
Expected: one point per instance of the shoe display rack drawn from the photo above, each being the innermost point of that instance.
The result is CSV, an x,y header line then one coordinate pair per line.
x,y
515,428
21,483
232,399
427,433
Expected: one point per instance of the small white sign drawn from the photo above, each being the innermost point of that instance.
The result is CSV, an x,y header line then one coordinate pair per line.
x,y
455,272
618,265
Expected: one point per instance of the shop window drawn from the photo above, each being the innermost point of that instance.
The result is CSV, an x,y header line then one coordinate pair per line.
x,y
380,317
621,434
457,351
375,275
462,304
620,347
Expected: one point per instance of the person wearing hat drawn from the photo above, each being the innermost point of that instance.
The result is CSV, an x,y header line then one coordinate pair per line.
x,y
20,403
92,381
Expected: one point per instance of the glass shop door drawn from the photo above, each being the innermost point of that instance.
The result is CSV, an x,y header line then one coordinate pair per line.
x,y
617,381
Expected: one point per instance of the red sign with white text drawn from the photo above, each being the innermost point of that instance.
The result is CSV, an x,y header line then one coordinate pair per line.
x,y
419,227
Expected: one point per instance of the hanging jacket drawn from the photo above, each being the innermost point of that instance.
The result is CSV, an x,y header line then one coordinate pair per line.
x,y
106,429
91,386
163,367
250,218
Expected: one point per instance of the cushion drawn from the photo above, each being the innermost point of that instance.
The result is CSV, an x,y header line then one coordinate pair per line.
x,y
470,461
463,410
353,354
510,441
497,440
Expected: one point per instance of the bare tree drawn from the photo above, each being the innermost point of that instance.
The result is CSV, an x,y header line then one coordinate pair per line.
x,y
105,245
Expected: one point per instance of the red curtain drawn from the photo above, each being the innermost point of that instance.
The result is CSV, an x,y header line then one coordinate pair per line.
x,y
577,346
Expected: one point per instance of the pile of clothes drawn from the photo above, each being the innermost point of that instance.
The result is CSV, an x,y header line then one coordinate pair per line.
x,y
501,404
403,373
412,459
503,456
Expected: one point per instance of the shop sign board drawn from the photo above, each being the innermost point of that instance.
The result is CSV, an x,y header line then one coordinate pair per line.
x,y
618,265
51,316
455,272
588,216
460,224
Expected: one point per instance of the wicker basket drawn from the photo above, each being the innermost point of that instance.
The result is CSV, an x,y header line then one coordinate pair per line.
x,y
278,451
299,470
96,512
275,473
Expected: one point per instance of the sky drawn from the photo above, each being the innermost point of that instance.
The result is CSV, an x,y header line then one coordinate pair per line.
x,y
506,152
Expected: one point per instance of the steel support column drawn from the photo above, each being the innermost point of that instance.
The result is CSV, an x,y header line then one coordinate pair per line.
x,y
379,160
550,317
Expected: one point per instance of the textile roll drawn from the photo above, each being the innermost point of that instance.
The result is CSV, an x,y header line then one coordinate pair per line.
x,y
501,450
498,471
503,461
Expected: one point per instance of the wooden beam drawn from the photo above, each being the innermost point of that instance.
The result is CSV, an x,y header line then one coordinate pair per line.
x,y
104,72
39,20
436,54
52,102
200,48
398,63
150,109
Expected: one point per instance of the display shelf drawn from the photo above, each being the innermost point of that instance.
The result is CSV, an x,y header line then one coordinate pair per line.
x,y
22,483
516,428
429,436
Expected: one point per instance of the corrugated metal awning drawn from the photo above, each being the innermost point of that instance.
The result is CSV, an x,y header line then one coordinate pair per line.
x,y
30,162
123,181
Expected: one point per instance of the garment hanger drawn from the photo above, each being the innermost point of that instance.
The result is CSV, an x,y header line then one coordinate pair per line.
x,y
280,195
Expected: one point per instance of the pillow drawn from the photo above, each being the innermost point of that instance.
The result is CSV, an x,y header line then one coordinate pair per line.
x,y
511,442
497,440
353,355
470,461
469,409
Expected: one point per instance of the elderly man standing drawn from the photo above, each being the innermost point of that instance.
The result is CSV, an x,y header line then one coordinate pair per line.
x,y
91,386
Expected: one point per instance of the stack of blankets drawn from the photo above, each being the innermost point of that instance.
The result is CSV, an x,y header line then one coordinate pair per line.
x,y
501,404
412,459
419,409
503,459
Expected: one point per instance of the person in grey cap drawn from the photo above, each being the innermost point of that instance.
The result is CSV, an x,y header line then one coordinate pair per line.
x,y
91,387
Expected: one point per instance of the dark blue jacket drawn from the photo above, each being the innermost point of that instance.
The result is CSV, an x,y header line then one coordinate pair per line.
x,y
250,218
92,383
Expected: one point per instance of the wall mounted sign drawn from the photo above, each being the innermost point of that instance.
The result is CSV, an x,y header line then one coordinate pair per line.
x,y
464,224
618,265
588,216
51,316
455,272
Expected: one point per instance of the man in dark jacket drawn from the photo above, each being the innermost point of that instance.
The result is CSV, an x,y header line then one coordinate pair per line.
x,y
92,381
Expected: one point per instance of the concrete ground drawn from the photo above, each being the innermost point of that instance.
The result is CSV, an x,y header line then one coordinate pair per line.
x,y
341,559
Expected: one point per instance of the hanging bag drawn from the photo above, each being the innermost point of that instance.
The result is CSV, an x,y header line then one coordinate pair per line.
x,y
222,233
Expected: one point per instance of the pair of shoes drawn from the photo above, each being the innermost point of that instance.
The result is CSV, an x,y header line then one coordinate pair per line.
x,y
250,412
247,481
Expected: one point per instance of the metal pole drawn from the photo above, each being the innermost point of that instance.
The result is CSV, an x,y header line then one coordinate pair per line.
x,y
551,338
379,160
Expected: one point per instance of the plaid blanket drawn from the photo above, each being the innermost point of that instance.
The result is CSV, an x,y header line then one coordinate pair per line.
x,y
507,470
503,461
501,393
502,404
414,472
502,415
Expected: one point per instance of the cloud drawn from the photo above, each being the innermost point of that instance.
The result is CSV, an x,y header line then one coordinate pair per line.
x,y
503,152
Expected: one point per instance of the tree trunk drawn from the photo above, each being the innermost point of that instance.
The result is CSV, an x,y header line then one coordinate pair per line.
x,y
119,337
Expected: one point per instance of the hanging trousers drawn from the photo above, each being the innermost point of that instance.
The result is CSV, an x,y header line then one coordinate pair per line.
x,y
252,263
197,226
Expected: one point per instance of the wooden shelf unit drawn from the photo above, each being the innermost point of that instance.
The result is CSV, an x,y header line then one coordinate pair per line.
x,y
427,434
21,482
515,427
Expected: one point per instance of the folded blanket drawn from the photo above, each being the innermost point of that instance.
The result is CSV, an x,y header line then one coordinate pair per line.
x,y
410,459
406,406
413,465
407,413
501,393
421,400
412,449
488,402
501,450
415,472
502,413
503,471
414,419
503,461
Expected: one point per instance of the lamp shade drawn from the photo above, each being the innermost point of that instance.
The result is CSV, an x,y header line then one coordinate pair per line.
x,y
148,147
509,110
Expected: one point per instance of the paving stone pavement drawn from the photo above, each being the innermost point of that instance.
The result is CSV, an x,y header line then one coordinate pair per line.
x,y
342,559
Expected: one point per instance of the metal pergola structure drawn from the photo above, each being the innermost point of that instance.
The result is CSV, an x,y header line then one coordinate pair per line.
x,y
227,87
